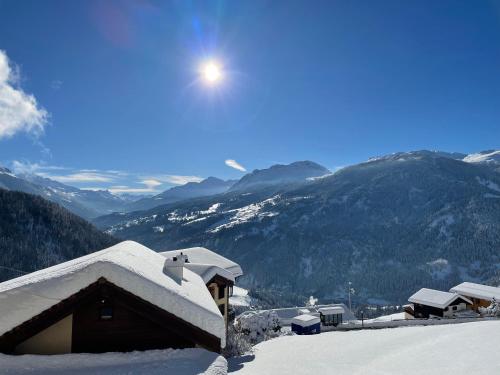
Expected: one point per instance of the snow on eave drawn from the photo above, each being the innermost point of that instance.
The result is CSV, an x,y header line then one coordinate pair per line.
x,y
202,255
129,265
435,298
208,271
305,320
331,310
477,291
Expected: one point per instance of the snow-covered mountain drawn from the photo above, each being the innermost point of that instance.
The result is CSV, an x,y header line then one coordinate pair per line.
x,y
209,186
279,174
389,225
85,203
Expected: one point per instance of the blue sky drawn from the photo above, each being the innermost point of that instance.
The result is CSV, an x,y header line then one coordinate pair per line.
x,y
108,93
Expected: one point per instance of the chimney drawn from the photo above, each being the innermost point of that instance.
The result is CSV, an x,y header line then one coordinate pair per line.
x,y
174,267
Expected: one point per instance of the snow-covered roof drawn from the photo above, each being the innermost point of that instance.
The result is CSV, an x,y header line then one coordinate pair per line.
x,y
331,310
435,298
208,271
202,255
477,291
305,320
128,265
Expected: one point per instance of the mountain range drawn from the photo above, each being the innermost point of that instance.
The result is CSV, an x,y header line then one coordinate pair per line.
x,y
390,226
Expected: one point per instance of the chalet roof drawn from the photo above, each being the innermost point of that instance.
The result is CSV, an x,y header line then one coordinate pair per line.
x,y
331,310
435,298
305,320
129,265
477,291
202,255
208,271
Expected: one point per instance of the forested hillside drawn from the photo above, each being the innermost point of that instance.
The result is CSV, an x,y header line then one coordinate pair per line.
x,y
36,233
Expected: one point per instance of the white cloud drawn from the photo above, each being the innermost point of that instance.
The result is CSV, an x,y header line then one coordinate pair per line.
x,y
234,164
83,177
174,179
151,183
131,190
19,112
113,180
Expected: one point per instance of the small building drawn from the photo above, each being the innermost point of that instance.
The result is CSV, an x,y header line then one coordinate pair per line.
x,y
123,298
286,314
218,273
306,325
331,316
480,295
428,303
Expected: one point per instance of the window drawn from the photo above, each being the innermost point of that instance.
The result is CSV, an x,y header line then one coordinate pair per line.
x,y
221,292
222,309
106,313
454,307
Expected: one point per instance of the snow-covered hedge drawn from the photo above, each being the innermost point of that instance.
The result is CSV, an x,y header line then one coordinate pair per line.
x,y
249,329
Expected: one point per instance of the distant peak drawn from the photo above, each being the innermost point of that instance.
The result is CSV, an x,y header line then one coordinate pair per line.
x,y
5,170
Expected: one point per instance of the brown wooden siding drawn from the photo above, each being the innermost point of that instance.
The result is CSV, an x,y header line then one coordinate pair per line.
x,y
136,324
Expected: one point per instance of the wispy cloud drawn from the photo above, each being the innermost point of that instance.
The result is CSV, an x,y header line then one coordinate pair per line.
x,y
174,179
115,181
83,177
56,84
19,112
234,164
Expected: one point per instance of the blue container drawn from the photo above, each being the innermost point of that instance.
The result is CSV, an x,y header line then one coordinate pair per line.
x,y
309,330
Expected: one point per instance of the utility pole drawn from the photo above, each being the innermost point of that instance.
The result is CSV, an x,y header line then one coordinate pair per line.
x,y
350,296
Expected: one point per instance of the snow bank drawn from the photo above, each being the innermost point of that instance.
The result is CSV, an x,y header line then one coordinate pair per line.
x,y
451,349
178,362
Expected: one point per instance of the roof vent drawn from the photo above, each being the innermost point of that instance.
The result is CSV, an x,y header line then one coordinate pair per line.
x,y
174,267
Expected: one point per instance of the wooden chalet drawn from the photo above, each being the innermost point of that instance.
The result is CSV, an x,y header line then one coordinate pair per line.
x,y
218,273
480,295
123,298
428,303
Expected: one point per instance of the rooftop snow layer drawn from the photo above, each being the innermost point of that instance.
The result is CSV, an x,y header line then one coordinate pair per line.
x,y
305,320
331,310
435,298
202,255
477,291
128,265
208,271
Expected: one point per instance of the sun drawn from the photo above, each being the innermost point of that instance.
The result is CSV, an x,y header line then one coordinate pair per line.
x,y
211,72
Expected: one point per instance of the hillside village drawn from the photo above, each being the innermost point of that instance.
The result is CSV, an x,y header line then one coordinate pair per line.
x,y
219,187
131,298
203,305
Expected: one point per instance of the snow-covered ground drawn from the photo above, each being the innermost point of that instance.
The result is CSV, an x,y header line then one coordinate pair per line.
x,y
178,362
470,348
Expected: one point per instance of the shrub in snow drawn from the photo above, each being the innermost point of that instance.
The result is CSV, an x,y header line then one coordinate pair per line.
x,y
237,343
258,326
491,310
